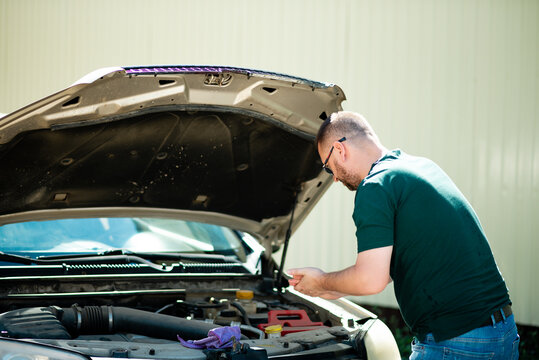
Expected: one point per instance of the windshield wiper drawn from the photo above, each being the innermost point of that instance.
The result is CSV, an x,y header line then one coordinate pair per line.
x,y
219,258
74,259
16,259
117,256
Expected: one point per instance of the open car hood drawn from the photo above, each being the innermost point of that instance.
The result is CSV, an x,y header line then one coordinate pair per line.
x,y
227,145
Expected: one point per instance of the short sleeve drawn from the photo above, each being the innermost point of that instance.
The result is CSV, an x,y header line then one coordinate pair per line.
x,y
374,214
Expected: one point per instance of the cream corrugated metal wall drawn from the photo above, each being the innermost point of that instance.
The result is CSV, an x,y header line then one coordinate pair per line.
x,y
456,81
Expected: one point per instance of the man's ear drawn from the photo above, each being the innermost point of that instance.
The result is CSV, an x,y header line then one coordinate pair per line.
x,y
340,150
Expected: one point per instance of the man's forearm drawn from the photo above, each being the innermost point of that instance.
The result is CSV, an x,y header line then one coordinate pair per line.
x,y
351,281
369,275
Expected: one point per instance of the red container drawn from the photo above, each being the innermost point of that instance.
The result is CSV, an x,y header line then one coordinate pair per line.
x,y
291,321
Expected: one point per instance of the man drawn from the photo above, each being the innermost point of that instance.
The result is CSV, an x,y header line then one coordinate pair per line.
x,y
415,228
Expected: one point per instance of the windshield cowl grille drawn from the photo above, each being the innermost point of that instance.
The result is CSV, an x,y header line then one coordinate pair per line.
x,y
212,268
100,266
175,268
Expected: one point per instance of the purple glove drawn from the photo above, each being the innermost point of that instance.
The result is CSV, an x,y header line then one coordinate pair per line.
x,y
218,338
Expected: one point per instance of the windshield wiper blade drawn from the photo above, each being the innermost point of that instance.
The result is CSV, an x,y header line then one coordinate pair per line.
x,y
16,258
148,256
74,259
69,256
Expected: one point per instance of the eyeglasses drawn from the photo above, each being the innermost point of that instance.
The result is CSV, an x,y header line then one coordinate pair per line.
x,y
328,170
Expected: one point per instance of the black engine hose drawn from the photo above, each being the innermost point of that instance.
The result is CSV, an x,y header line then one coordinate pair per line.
x,y
238,306
109,319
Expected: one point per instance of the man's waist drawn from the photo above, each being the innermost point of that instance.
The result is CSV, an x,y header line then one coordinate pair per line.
x,y
498,315
452,325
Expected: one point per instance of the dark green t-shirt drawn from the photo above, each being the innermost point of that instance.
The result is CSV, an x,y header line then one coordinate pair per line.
x,y
445,277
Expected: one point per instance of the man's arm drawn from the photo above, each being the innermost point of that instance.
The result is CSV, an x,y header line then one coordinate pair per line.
x,y
369,275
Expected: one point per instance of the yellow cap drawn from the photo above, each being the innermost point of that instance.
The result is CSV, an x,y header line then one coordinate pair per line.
x,y
273,329
244,294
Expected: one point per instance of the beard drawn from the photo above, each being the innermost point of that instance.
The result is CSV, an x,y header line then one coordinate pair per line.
x,y
350,181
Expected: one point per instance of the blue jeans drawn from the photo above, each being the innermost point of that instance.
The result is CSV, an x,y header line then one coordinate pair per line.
x,y
494,342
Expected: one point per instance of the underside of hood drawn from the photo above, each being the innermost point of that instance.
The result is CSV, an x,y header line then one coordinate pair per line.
x,y
227,141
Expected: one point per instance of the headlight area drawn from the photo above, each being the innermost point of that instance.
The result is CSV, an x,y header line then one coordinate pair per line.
x,y
13,349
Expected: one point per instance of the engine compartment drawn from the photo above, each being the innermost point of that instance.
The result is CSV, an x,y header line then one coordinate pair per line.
x,y
144,323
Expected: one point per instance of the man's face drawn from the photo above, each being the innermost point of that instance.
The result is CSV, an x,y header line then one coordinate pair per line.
x,y
340,173
345,177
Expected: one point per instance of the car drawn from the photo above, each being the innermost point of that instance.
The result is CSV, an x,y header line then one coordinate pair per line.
x,y
140,212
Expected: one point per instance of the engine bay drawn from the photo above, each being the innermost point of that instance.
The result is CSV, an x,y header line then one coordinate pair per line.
x,y
145,323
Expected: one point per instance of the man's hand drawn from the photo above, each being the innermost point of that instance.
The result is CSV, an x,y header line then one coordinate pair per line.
x,y
306,280
309,281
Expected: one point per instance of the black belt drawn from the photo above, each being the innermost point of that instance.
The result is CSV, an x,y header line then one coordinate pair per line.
x,y
498,316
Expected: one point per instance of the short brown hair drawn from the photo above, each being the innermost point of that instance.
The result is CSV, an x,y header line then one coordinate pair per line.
x,y
344,123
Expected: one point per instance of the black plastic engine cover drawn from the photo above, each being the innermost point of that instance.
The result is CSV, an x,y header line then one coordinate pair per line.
x,y
33,323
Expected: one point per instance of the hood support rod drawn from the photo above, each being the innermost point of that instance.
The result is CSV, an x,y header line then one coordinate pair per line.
x,y
286,241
